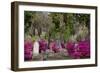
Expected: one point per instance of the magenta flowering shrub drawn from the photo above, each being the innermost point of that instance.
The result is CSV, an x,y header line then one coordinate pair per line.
x,y
78,50
28,46
62,44
74,50
43,45
54,47
84,47
70,46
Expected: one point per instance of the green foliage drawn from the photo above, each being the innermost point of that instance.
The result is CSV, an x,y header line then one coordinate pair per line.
x,y
54,25
28,16
83,18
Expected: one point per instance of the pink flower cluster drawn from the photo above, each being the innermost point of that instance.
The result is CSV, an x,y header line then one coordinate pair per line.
x,y
76,50
53,46
80,49
43,45
28,46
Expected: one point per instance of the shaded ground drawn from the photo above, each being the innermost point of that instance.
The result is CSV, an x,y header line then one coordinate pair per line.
x,y
62,55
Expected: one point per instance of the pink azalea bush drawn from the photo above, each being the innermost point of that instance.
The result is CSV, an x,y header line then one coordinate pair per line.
x,y
80,49
43,45
84,47
54,47
28,46
75,50
62,44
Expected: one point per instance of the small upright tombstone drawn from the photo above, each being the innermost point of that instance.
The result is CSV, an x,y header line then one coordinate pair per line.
x,y
36,48
36,44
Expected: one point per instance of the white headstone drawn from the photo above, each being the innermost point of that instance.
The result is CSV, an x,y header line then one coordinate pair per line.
x,y
35,48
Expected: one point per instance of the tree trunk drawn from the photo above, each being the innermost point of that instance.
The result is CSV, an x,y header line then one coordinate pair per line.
x,y
48,42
